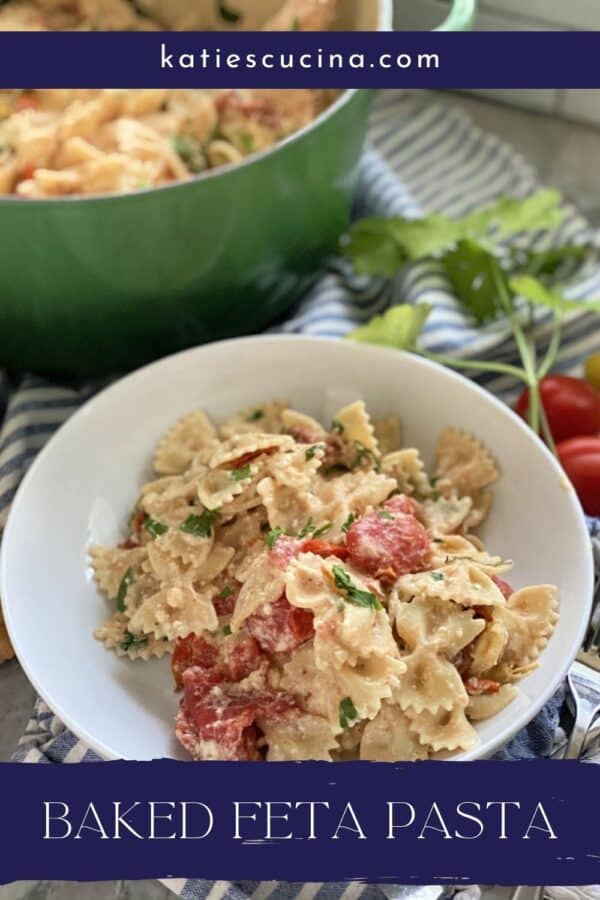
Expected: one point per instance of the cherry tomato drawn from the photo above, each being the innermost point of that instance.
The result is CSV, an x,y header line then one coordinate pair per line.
x,y
580,458
26,101
592,370
572,406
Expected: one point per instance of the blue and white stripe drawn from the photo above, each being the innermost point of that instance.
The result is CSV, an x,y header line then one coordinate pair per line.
x,y
423,158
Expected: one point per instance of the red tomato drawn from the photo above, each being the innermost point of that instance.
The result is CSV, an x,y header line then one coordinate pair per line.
x,y
572,406
580,458
26,101
324,548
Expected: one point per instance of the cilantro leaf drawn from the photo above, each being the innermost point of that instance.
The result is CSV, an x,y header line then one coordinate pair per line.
x,y
337,426
399,327
385,514
225,592
312,451
133,640
308,529
510,215
354,595
241,474
255,416
349,521
228,14
348,713
472,272
226,630
540,295
437,576
200,526
319,532
273,536
126,580
557,263
155,528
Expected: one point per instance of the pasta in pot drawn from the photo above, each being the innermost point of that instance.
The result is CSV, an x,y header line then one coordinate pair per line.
x,y
314,605
55,143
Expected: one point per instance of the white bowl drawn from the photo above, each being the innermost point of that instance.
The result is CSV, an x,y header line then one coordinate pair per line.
x,y
83,484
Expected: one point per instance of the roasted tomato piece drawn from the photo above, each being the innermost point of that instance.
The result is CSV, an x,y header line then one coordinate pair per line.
x,y
192,651
220,723
280,627
388,546
476,686
402,503
224,605
507,590
230,661
324,548
284,550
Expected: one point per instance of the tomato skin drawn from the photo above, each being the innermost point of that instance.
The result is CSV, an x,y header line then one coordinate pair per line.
x,y
580,458
572,406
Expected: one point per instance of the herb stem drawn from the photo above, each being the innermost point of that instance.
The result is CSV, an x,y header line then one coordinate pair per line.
x,y
553,347
478,365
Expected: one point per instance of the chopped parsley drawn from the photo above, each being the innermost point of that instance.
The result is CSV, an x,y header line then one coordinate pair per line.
x,y
384,514
311,528
255,416
200,526
226,592
437,576
133,640
155,528
246,141
349,521
126,580
354,595
226,629
190,152
241,474
363,454
273,536
228,14
337,426
348,713
311,452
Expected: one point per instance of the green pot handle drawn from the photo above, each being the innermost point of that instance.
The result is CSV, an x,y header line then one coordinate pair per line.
x,y
460,17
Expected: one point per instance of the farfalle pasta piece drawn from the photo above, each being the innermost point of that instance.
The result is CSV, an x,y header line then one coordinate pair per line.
x,y
350,494
177,556
246,446
176,450
297,468
287,508
171,498
430,683
388,738
174,612
438,624
218,487
462,581
388,434
263,417
354,426
529,619
300,737
408,469
487,650
463,464
344,631
446,514
116,635
110,565
303,428
444,730
483,706
264,583
455,547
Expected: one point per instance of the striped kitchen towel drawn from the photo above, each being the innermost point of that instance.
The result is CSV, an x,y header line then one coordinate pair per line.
x,y
423,156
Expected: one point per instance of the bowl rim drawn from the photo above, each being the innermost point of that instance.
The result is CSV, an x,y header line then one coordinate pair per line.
x,y
499,740
385,23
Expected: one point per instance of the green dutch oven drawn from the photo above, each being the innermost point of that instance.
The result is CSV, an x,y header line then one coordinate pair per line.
x,y
97,285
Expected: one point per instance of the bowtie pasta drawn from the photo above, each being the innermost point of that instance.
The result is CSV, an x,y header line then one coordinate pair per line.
x,y
321,596
59,142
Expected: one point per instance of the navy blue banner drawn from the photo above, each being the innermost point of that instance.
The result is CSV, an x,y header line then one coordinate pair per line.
x,y
550,59
421,823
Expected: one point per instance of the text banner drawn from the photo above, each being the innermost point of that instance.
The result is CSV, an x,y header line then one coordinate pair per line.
x,y
412,823
300,59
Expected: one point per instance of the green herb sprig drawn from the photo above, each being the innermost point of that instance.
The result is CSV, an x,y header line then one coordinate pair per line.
x,y
491,278
352,594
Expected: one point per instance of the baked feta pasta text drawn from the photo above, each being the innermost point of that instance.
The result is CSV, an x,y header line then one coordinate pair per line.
x,y
321,596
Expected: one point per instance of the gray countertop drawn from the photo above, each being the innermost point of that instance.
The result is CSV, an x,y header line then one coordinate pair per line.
x,y
566,156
